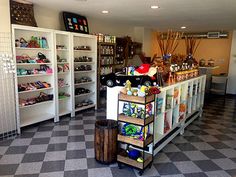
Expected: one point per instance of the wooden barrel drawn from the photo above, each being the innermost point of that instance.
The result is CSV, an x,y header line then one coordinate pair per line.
x,y
105,141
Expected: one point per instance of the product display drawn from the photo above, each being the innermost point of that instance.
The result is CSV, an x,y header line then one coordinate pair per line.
x,y
62,82
82,47
80,91
44,69
41,58
34,42
31,101
63,68
83,68
33,86
83,59
82,80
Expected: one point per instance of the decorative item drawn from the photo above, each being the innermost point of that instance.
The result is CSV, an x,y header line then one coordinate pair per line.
x,y
192,45
6,61
211,62
22,13
202,62
75,23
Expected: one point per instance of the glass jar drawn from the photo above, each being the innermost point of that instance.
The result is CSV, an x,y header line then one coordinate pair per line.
x,y
202,62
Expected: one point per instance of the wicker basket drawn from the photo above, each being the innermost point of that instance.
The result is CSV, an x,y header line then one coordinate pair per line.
x,y
22,13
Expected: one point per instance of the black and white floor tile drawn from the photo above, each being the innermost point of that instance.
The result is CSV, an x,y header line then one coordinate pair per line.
x,y
207,148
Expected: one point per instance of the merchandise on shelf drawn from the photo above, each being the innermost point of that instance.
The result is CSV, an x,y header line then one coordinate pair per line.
x,y
169,101
136,111
33,86
84,103
159,103
176,94
137,132
82,80
34,42
83,68
41,58
107,60
59,59
60,46
61,82
166,124
83,47
83,59
106,38
41,98
107,50
80,91
62,95
44,69
106,70
63,68
182,110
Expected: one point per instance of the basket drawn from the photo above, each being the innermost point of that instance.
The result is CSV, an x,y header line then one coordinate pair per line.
x,y
22,13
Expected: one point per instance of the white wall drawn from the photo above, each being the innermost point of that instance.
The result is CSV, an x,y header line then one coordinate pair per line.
x,y
5,16
48,18
231,88
7,103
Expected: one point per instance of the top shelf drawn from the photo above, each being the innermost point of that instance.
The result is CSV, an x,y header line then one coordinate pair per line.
x,y
106,43
27,48
137,99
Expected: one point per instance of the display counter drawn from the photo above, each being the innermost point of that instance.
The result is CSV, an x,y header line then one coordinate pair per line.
x,y
175,107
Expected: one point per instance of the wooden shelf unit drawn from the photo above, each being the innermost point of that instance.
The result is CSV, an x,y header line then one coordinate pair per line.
x,y
132,142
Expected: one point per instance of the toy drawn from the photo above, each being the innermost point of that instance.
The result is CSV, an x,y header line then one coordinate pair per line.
x,y
149,109
130,130
142,91
143,133
134,154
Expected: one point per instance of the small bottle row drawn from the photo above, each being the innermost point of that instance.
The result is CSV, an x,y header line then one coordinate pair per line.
x,y
43,69
106,70
107,60
34,42
33,86
107,50
31,101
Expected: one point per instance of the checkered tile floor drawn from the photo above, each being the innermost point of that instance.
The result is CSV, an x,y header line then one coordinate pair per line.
x,y
207,148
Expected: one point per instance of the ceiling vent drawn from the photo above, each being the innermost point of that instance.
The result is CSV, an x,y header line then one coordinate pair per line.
x,y
208,35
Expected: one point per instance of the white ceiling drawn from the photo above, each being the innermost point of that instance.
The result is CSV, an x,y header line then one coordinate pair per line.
x,y
194,14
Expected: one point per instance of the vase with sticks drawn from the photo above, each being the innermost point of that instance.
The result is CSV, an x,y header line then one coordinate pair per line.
x,y
168,42
192,45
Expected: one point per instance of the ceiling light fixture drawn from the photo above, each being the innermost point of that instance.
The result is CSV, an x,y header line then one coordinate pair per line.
x,y
155,7
183,27
105,11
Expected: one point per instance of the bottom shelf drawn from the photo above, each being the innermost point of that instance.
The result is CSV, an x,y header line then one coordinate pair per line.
x,y
64,112
84,107
121,157
35,119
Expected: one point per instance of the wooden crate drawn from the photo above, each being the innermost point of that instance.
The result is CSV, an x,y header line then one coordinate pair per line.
x,y
137,121
132,141
134,163
136,99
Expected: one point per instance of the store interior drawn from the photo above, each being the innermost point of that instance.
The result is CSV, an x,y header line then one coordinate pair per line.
x,y
117,88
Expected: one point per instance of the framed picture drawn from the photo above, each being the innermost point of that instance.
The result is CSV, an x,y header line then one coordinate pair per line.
x,y
75,23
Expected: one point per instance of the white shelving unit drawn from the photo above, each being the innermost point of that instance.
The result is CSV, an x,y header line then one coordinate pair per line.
x,y
91,42
170,118
64,105
44,110
27,115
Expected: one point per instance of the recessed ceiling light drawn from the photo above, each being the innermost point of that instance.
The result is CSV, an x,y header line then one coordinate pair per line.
x,y
155,7
183,27
105,11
